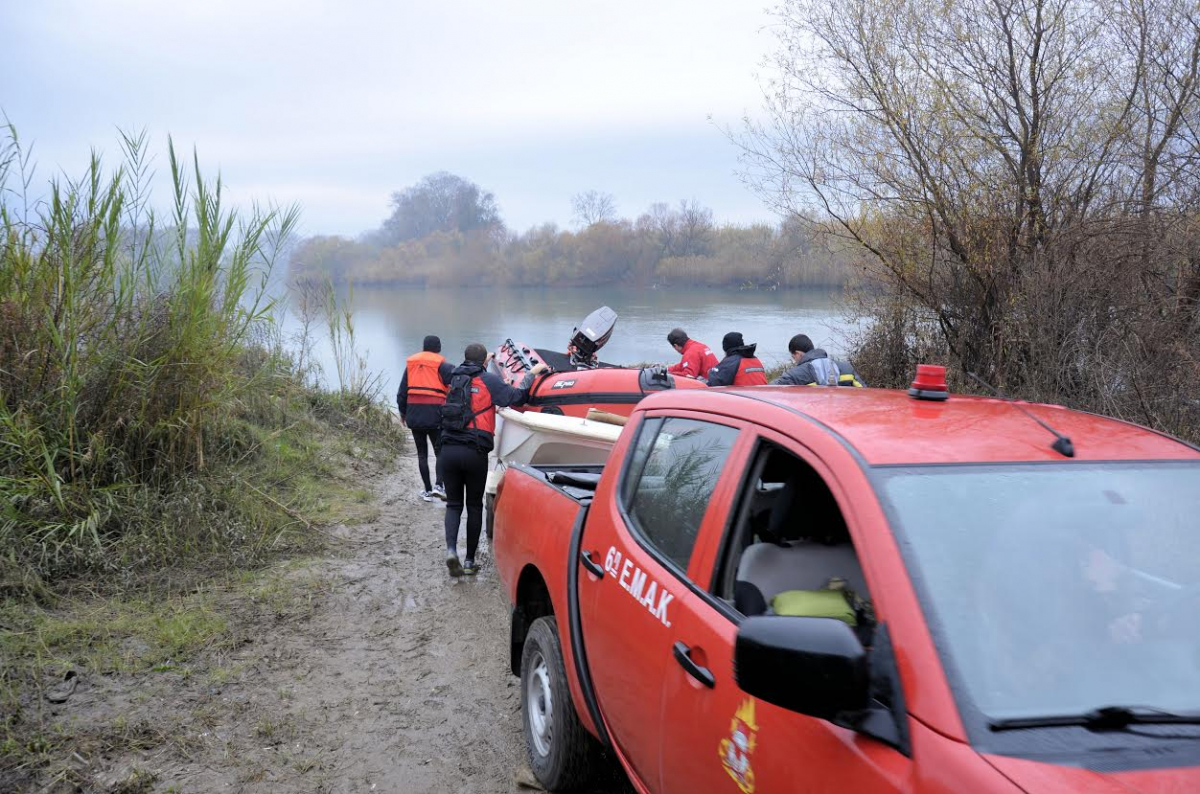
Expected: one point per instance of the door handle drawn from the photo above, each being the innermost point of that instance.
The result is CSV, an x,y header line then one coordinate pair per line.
x,y
683,655
593,567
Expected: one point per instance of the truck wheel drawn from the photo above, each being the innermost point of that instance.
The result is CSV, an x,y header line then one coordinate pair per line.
x,y
561,752
489,506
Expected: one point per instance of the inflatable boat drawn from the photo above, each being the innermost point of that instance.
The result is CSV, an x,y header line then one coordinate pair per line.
x,y
554,427
578,380
612,389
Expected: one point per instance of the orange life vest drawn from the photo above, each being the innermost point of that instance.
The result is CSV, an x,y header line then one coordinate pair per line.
x,y
482,407
750,373
424,383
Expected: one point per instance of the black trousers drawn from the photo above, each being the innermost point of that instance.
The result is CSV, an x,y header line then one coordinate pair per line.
x,y
423,438
465,469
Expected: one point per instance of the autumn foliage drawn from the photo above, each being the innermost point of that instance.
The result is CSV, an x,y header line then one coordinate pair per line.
x,y
1018,178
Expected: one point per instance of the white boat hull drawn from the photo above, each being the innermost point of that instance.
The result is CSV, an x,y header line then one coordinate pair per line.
x,y
548,439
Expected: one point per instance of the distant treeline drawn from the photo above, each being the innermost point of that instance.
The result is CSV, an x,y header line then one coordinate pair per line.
x,y
446,232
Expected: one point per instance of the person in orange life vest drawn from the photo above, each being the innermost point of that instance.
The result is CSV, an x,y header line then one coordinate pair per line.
x,y
739,367
464,456
422,392
697,358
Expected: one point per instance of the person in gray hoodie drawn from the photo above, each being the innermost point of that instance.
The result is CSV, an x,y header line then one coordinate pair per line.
x,y
814,367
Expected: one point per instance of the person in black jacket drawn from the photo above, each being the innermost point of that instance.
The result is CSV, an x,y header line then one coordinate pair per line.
x,y
739,367
420,397
464,458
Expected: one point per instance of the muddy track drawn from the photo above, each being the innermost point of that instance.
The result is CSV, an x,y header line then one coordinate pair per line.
x,y
380,674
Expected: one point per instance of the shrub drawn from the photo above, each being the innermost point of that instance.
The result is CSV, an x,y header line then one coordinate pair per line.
x,y
136,370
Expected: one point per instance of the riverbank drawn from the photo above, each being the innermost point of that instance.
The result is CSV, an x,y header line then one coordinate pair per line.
x,y
356,666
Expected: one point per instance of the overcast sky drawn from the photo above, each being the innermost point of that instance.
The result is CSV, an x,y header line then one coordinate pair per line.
x,y
336,105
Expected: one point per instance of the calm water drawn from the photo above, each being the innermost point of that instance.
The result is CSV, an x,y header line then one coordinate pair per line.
x,y
390,322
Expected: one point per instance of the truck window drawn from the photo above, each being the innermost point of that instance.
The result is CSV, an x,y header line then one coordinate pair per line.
x,y
669,479
789,550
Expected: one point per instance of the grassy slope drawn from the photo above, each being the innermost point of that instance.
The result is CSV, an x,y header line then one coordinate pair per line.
x,y
159,445
179,621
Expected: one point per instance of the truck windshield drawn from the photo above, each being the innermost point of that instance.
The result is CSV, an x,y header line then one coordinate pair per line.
x,y
1057,589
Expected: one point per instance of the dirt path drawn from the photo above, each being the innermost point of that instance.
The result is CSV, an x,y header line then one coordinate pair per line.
x,y
371,670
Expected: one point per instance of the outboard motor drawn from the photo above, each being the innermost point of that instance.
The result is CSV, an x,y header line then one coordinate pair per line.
x,y
591,335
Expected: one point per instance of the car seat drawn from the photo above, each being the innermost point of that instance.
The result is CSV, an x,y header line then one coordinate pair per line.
x,y
799,565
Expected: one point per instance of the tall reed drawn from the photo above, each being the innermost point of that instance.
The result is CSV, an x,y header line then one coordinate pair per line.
x,y
357,384
123,342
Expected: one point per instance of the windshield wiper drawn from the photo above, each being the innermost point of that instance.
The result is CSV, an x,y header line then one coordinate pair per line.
x,y
1107,718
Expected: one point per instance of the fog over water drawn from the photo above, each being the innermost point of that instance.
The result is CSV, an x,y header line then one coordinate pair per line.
x,y
335,106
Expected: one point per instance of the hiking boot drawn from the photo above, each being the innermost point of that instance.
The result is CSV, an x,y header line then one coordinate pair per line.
x,y
470,568
427,496
439,491
456,569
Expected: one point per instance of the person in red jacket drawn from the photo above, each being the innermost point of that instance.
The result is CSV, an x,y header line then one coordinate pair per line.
x,y
697,358
739,367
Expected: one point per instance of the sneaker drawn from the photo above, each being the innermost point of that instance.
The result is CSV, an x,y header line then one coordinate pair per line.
x,y
439,491
470,568
427,496
453,564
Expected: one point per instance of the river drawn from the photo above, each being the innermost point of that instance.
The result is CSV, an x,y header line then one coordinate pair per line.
x,y
390,322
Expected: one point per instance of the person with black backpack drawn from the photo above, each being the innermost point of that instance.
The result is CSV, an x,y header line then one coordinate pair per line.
x,y
468,435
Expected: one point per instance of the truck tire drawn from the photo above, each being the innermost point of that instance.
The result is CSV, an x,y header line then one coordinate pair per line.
x,y
489,508
561,751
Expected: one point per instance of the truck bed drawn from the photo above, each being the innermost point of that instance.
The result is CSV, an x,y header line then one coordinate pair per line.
x,y
577,481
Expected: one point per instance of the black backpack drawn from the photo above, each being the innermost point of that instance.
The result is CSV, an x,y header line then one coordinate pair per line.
x,y
456,411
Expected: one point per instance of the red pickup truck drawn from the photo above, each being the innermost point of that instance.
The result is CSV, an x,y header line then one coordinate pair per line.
x,y
815,589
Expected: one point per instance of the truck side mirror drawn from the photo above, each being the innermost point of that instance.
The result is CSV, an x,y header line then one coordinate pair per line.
x,y
814,666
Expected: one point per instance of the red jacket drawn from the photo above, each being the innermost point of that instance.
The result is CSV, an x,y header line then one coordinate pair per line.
x,y
696,362
488,392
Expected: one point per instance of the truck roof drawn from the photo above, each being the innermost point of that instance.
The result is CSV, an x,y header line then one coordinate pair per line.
x,y
889,427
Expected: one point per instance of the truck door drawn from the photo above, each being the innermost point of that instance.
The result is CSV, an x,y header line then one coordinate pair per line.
x,y
635,553
718,738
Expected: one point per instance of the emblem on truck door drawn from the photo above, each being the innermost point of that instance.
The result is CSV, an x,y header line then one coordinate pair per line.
x,y
735,751
632,580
